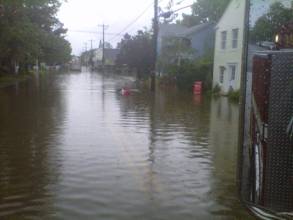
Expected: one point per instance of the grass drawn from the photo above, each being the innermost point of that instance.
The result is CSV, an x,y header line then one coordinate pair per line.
x,y
10,79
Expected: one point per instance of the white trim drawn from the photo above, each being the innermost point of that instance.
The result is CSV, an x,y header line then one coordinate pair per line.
x,y
217,26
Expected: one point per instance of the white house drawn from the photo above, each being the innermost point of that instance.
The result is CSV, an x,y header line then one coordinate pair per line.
x,y
229,46
110,56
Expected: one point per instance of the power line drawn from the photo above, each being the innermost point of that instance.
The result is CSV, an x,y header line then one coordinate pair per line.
x,y
179,9
121,33
178,3
93,32
171,12
132,22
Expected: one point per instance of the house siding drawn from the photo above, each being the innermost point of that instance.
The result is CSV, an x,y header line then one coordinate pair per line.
x,y
203,41
166,31
233,18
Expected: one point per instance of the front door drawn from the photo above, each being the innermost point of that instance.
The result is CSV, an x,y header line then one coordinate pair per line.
x,y
232,76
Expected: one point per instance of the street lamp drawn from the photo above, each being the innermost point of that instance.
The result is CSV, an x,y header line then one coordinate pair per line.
x,y
277,38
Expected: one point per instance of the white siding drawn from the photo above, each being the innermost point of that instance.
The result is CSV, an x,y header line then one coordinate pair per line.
x,y
233,18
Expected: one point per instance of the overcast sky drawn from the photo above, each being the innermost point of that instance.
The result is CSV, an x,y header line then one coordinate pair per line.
x,y
261,7
86,15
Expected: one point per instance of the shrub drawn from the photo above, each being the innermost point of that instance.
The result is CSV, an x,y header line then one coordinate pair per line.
x,y
188,72
217,89
234,95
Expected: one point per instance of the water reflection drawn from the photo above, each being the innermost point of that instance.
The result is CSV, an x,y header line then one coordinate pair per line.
x,y
223,139
192,144
73,147
31,115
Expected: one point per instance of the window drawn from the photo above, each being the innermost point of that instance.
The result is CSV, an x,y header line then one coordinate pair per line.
x,y
235,38
222,71
223,39
232,72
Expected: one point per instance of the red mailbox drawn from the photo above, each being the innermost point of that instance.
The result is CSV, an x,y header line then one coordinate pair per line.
x,y
197,88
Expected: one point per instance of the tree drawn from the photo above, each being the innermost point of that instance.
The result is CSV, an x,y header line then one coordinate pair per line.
x,y
107,45
174,50
29,30
268,25
136,52
204,11
55,50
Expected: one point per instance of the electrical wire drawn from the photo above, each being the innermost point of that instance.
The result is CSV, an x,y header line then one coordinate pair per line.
x,y
187,6
180,2
92,32
121,33
132,22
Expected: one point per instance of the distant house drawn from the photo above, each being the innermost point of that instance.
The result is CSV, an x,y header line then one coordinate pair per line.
x,y
193,42
167,31
200,37
229,46
97,56
75,63
110,56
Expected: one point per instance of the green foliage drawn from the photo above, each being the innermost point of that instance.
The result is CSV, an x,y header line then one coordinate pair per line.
x,y
234,95
9,79
269,24
186,70
29,30
137,52
189,72
204,11
56,50
216,89
173,52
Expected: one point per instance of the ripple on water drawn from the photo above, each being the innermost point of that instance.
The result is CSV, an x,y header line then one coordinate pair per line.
x,y
92,154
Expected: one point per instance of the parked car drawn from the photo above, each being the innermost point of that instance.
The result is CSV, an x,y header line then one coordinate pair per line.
x,y
267,44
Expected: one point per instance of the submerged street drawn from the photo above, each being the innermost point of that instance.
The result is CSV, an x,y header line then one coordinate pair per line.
x,y
72,147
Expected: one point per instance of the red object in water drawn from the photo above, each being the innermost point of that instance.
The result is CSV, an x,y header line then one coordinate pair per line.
x,y
197,88
125,91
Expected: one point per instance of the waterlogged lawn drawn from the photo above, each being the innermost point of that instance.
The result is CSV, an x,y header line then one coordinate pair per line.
x,y
6,79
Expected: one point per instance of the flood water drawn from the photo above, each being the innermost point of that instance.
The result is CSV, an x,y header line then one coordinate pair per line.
x,y
71,147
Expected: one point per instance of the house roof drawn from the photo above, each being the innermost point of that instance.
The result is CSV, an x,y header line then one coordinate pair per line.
x,y
227,9
171,30
176,30
196,28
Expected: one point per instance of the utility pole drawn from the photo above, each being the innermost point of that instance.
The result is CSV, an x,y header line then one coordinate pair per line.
x,y
103,52
85,53
103,57
91,55
155,37
91,44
